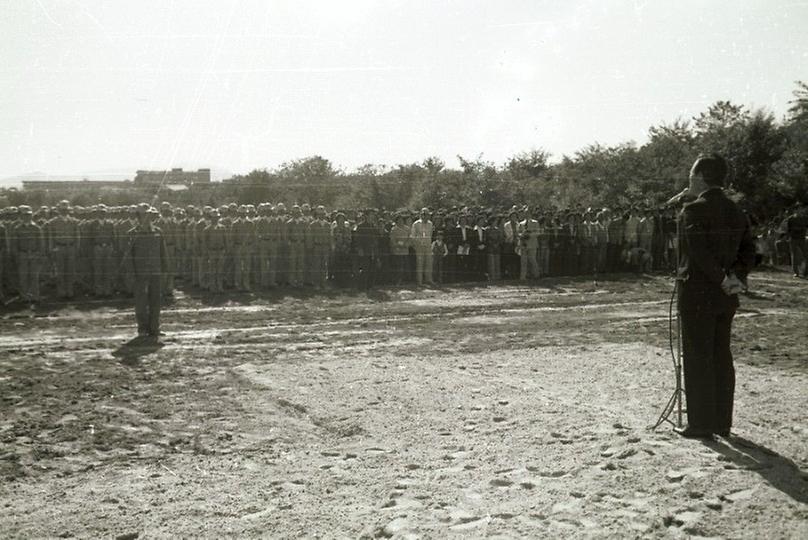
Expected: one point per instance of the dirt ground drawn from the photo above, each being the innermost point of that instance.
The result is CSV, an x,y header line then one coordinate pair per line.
x,y
504,411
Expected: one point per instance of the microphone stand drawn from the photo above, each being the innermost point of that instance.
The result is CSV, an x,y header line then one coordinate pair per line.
x,y
675,401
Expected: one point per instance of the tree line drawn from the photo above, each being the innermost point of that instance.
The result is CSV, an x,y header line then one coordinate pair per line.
x,y
768,158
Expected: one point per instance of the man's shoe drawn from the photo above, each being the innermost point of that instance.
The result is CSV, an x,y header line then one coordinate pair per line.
x,y
722,432
694,433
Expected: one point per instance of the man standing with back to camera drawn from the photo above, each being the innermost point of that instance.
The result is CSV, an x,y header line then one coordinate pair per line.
x,y
716,252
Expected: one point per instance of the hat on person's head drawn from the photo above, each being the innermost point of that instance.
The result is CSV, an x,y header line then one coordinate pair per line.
x,y
25,210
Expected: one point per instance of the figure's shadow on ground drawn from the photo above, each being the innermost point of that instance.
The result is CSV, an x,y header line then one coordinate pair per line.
x,y
780,472
130,353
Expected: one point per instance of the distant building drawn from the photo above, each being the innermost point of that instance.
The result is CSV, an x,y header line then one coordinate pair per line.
x,y
172,177
174,180
70,185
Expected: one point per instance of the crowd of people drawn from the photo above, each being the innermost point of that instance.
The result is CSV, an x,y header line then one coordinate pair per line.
x,y
69,250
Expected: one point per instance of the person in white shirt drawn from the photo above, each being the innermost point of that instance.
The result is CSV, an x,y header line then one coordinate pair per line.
x,y
400,249
421,236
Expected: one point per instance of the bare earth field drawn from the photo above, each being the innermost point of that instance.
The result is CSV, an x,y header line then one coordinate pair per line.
x,y
505,411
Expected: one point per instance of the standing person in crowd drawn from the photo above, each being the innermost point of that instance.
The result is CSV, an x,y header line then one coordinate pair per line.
x,y
528,246
103,238
29,252
544,239
296,240
319,234
409,259
214,248
170,230
588,239
63,241
125,270
450,237
463,239
421,237
400,243
201,268
555,232
794,227
281,215
181,249
341,246
669,238
366,249
439,253
566,241
148,257
510,244
267,248
479,255
84,262
716,252
242,236
493,248
226,221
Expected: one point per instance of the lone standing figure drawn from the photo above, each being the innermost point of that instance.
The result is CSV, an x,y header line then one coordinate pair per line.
x,y
716,252
147,252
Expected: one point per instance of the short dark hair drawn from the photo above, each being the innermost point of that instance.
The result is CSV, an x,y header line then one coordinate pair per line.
x,y
712,167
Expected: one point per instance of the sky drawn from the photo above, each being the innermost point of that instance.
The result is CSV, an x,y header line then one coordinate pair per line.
x,y
95,87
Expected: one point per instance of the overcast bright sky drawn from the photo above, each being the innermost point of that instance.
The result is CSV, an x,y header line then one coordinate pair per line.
x,y
235,85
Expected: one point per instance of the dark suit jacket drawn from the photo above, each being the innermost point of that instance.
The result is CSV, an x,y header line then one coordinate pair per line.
x,y
714,240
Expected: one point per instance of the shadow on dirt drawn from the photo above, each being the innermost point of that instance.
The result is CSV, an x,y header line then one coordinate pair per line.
x,y
780,472
130,353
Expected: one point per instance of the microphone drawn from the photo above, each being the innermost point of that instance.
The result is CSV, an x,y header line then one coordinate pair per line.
x,y
681,197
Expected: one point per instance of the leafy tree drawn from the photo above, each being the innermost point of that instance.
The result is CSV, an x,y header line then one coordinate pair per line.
x,y
791,170
312,179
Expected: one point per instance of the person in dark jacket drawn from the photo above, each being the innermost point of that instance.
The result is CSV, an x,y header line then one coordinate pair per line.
x,y
149,260
366,250
716,252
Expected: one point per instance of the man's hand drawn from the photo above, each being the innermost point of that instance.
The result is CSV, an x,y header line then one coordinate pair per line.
x,y
731,285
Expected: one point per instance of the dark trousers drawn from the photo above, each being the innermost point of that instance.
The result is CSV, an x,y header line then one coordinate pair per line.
x,y
400,265
342,269
365,272
437,268
147,304
708,370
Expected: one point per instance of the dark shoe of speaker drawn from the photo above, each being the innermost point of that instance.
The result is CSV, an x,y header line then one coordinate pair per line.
x,y
690,432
